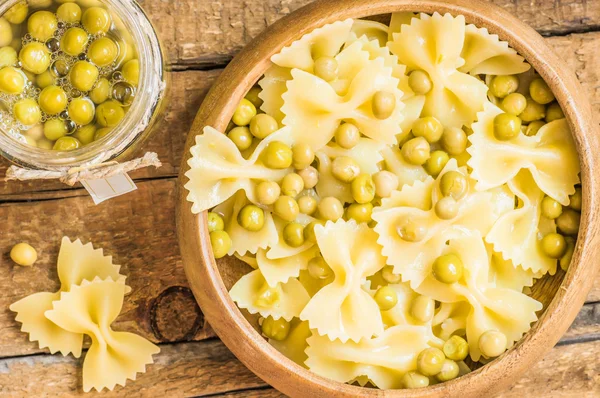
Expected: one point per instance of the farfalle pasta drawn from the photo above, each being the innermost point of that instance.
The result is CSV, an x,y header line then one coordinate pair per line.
x,y
396,200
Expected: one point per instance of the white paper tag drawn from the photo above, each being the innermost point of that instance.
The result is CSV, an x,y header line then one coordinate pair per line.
x,y
108,188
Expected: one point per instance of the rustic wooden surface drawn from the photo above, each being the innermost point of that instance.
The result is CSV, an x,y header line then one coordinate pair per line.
x,y
201,37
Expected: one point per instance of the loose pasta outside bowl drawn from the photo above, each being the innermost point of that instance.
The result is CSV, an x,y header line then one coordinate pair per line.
x,y
562,296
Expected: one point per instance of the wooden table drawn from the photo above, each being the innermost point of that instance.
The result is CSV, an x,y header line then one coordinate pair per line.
x,y
138,229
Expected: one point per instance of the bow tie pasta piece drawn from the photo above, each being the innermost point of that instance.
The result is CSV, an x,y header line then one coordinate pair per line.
x,y
113,357
397,20
280,270
518,233
407,173
76,263
294,345
550,156
242,240
313,285
218,169
273,85
286,300
450,319
280,249
383,359
367,154
400,314
372,30
312,105
321,42
434,44
328,185
249,259
503,273
411,232
485,54
343,309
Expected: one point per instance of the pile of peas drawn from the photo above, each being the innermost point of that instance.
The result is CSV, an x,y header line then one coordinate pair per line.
x,y
67,75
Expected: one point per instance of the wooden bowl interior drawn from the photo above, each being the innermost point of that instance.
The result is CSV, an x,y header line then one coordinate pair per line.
x,y
562,294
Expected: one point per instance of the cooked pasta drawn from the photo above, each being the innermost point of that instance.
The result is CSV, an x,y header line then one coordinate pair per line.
x,y
401,204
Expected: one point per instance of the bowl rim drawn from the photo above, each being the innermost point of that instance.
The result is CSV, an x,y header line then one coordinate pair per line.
x,y
247,67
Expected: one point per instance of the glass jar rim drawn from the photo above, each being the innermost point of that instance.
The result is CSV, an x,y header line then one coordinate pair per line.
x,y
150,91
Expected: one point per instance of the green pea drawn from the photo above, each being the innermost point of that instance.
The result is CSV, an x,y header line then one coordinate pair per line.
x,y
456,348
109,113
35,57
45,79
267,192
221,243
101,91
565,260
131,72
429,128
251,218
310,175
66,144
412,380
326,68
345,169
446,208
576,200
277,155
554,245
293,234
360,212
253,97
85,134
540,92
347,135
83,76
318,268
449,371
8,56
330,208
533,128
388,275
551,208
23,254
506,126
502,86
54,129
96,20
454,141
42,25
307,205
215,222
53,100
103,52
419,82
436,163
385,183
101,133
416,151
286,208
430,361
303,156
12,80
386,298
275,329
74,41
554,112
241,137
6,34
422,308
82,110
27,112
383,104
533,111
69,12
263,125
514,104
492,343
454,184
244,113
568,222
17,13
410,231
363,188
448,268
267,297
309,231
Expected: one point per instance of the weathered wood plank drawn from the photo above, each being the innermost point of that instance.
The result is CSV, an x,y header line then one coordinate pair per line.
x,y
205,33
208,369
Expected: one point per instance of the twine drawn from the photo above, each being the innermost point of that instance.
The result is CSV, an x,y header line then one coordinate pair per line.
x,y
91,172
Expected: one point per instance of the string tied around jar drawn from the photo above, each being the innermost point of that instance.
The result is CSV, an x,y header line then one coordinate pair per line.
x,y
81,173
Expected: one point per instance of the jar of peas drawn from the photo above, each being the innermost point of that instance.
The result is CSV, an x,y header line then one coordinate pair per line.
x,y
81,81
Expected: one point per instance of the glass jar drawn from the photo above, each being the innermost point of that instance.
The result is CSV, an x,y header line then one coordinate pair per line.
x,y
126,137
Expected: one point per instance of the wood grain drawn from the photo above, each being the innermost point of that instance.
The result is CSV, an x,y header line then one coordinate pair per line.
x,y
207,33
190,87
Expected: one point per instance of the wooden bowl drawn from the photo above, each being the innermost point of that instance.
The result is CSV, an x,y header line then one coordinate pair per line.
x,y
562,295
